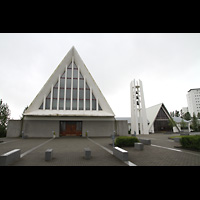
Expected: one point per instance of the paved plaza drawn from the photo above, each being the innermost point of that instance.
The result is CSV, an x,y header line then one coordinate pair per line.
x,y
69,151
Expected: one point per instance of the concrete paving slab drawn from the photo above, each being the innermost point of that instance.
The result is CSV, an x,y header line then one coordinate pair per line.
x,y
69,151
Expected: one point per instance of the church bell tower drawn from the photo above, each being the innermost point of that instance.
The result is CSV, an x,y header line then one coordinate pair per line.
x,y
138,110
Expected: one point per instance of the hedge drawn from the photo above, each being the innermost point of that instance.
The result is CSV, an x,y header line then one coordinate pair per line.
x,y
125,141
191,142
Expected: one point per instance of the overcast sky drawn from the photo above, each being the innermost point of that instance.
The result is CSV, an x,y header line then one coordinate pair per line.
x,y
167,64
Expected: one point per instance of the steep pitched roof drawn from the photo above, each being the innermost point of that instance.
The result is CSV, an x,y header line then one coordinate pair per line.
x,y
152,113
70,91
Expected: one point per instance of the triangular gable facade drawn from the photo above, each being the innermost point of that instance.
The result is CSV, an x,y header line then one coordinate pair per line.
x,y
70,91
155,113
152,113
163,114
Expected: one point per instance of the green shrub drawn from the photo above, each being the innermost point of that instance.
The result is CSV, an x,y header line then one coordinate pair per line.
x,y
125,141
191,142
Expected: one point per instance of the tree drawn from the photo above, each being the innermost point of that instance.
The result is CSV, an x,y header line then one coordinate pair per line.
x,y
195,124
4,117
171,123
183,124
187,116
177,113
198,115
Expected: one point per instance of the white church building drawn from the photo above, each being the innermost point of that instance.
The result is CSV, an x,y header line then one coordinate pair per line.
x,y
69,104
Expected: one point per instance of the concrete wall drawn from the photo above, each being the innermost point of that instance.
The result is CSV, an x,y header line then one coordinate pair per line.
x,y
38,128
98,128
14,127
44,128
122,127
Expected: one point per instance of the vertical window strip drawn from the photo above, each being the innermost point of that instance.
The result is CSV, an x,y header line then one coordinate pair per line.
x,y
62,89
90,98
75,87
41,106
72,83
51,102
94,106
68,86
99,107
81,91
47,104
87,97
58,95
55,96
78,90
97,102
65,90
44,104
84,94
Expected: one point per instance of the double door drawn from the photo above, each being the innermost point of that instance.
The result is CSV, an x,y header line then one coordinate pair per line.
x,y
70,128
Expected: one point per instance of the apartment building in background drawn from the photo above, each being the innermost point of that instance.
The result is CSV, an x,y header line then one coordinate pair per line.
x,y
193,100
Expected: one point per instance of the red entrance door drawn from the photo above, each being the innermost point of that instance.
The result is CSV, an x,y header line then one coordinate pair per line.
x,y
70,128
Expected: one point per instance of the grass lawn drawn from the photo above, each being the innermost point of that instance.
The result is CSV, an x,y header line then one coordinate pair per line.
x,y
178,136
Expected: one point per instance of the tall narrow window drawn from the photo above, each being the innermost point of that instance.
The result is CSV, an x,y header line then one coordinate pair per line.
x,y
55,94
68,92
47,103
87,97
81,91
75,84
62,89
99,107
94,104
41,107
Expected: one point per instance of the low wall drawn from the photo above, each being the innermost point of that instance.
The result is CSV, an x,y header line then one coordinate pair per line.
x,y
40,128
44,128
98,128
14,128
122,127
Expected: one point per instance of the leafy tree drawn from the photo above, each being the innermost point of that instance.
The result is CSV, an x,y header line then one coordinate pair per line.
x,y
187,116
4,117
198,115
183,124
171,123
177,113
195,124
